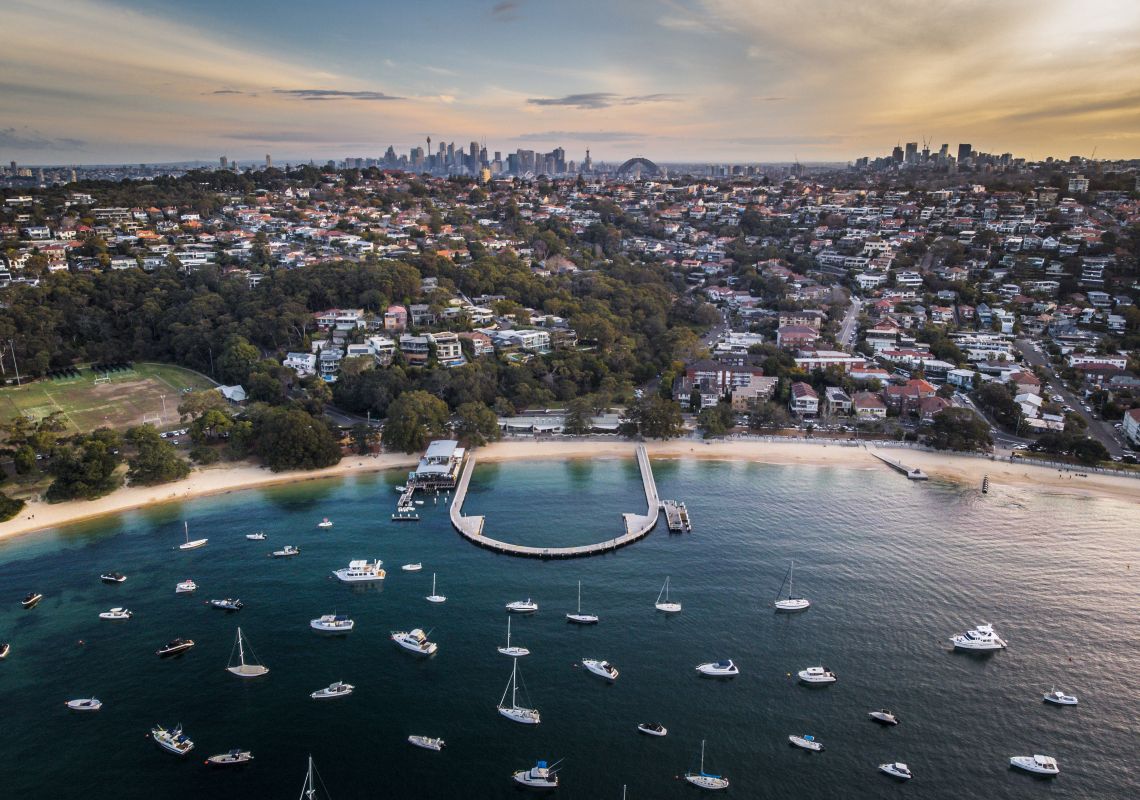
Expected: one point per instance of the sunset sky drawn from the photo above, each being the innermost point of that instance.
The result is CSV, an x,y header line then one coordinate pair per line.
x,y
95,81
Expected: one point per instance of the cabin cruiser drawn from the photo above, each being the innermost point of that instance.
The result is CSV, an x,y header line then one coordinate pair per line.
x,y
31,600
332,623
522,606
603,669
117,614
1057,697
233,758
884,717
807,742
361,571
286,551
415,640
256,537
173,741
1042,765
817,676
185,587
325,523
228,604
175,647
539,776
112,577
719,669
85,704
412,567
897,770
652,728
981,639
427,742
333,690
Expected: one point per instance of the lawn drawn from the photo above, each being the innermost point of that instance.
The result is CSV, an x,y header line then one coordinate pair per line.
x,y
127,398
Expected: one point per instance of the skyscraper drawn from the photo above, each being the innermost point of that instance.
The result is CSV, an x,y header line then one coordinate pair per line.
x,y
223,162
911,152
897,154
964,151
268,161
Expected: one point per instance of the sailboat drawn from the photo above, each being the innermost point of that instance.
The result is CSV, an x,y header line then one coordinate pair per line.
x,y
513,652
433,597
515,712
579,617
705,780
667,607
309,788
191,544
791,603
242,669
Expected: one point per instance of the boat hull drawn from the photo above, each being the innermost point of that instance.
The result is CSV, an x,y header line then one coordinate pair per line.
x,y
805,744
650,731
792,606
84,705
514,652
229,761
193,545
523,716
709,782
426,742
522,608
522,779
582,619
668,608
1028,764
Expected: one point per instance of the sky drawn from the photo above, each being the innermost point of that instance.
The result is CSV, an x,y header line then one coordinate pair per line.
x,y
125,81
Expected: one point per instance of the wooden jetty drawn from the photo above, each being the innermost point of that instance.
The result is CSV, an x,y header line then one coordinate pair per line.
x,y
676,516
912,473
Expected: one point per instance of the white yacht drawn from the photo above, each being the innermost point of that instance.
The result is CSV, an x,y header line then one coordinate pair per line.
x,y
415,640
427,742
724,668
233,758
113,577
522,606
173,741
515,712
512,651
185,587
332,623
116,614
603,669
539,776
256,537
817,676
242,669
897,769
191,544
433,597
807,742
412,567
325,523
1057,697
791,603
227,604
981,639
286,551
361,571
85,704
578,617
1042,765
706,780
652,729
333,690
666,606
884,717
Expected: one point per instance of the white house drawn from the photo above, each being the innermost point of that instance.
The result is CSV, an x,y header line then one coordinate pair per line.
x,y
303,364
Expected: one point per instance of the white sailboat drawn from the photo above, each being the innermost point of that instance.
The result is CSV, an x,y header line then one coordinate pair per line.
x,y
433,597
309,788
513,652
242,669
667,607
706,780
578,617
190,544
515,712
791,602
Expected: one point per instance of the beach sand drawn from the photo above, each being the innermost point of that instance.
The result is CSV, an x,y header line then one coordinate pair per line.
x,y
223,479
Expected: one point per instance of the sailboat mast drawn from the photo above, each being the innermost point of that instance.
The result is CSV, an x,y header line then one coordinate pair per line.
x,y
508,632
702,756
791,578
241,649
186,527
579,597
514,684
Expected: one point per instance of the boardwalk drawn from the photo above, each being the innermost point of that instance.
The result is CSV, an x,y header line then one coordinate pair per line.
x,y
913,473
636,525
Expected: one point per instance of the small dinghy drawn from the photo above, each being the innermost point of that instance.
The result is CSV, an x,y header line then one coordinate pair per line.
x,y
897,770
1038,764
412,567
325,523
719,669
31,600
234,758
85,704
652,729
332,691
807,742
112,577
426,742
1059,698
117,614
5,648
883,717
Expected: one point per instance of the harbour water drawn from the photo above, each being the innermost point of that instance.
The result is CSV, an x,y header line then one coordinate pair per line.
x,y
893,568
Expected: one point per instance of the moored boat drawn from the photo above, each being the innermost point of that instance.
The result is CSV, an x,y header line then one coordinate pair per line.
x,y
514,712
226,604
653,729
527,606
412,567
245,669
173,741
5,648
286,551
514,651
540,776
807,742
792,602
666,605
706,780
85,704
175,647
117,614
1059,698
191,544
361,570
185,587
981,639
256,537
603,669
325,523
233,758
416,641
1038,764
433,597
883,717
332,691
897,770
578,617
725,668
31,599
332,623
112,577
817,676
426,742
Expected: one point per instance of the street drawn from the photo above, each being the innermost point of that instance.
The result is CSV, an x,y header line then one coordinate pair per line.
x,y
846,337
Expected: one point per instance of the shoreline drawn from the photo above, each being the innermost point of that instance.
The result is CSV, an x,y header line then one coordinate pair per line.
x,y
38,515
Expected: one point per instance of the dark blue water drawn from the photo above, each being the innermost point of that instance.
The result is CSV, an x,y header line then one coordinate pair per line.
x,y
893,568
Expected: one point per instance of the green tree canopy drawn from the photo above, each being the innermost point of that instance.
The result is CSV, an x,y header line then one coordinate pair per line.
x,y
84,468
155,460
288,438
476,424
414,418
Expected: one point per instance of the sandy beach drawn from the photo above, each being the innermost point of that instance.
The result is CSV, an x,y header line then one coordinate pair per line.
x,y
224,479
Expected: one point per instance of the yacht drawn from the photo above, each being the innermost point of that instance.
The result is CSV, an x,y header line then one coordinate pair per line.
x,y
522,606
512,651
706,780
333,690
539,776
884,717
361,571
228,604
1057,697
332,623
603,669
175,647
897,770
117,614
817,676
325,523
666,606
578,617
412,567
243,669
1042,765
112,577
191,544
31,600
515,712
791,603
256,537
85,704
5,648
719,669
234,758
415,640
981,639
652,728
427,742
173,741
807,742
433,597
185,587
286,551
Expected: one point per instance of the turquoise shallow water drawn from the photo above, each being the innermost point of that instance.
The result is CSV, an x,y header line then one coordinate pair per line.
x,y
893,568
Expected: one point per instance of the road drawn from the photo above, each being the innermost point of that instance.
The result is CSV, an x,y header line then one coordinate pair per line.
x,y
850,320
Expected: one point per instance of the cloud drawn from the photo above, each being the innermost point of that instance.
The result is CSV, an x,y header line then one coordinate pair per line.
x,y
807,139
31,139
1081,108
226,91
596,100
506,10
334,94
583,136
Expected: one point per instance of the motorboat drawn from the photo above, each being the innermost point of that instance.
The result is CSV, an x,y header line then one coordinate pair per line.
x,y
578,617
234,758
897,770
792,602
433,597
175,647
514,651
652,729
332,623
1039,764
724,668
117,614
981,639
666,606
245,669
817,676
191,544
401,489
228,604
85,704
540,776
185,587
112,577
256,537
333,690
807,742
515,712
361,571
173,741
1057,697
603,669
415,640
884,717
426,742
412,567
286,551
5,648
325,523
31,599
522,606
706,780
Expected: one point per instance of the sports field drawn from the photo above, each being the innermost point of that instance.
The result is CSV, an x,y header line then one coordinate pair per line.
x,y
125,398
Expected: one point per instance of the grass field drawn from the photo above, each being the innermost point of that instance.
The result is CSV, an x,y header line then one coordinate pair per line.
x,y
128,398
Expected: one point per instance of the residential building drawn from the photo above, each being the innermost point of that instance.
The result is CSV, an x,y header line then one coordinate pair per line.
x,y
416,349
836,401
395,318
794,337
804,401
868,405
1131,426
448,351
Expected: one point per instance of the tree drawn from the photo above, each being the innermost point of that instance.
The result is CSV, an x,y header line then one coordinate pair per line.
x,y
24,459
85,467
715,420
1089,451
196,403
237,360
414,418
9,507
288,438
768,415
959,429
653,417
579,417
155,460
477,424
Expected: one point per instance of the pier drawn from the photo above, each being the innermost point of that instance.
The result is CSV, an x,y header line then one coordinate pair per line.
x,y
676,516
912,473
636,526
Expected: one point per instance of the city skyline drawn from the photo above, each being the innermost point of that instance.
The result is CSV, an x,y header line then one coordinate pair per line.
x,y
701,81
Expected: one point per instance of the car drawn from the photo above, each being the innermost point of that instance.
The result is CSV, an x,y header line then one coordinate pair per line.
x,y
1021,447
1118,425
1058,399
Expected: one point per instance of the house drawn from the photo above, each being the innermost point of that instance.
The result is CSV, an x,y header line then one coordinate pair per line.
x,y
868,405
481,344
905,398
1026,382
328,363
535,341
758,388
793,337
719,377
304,364
416,349
1030,404
383,350
448,351
1079,360
340,318
927,407
836,401
1131,426
235,394
804,402
961,378
811,319
421,315
395,318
